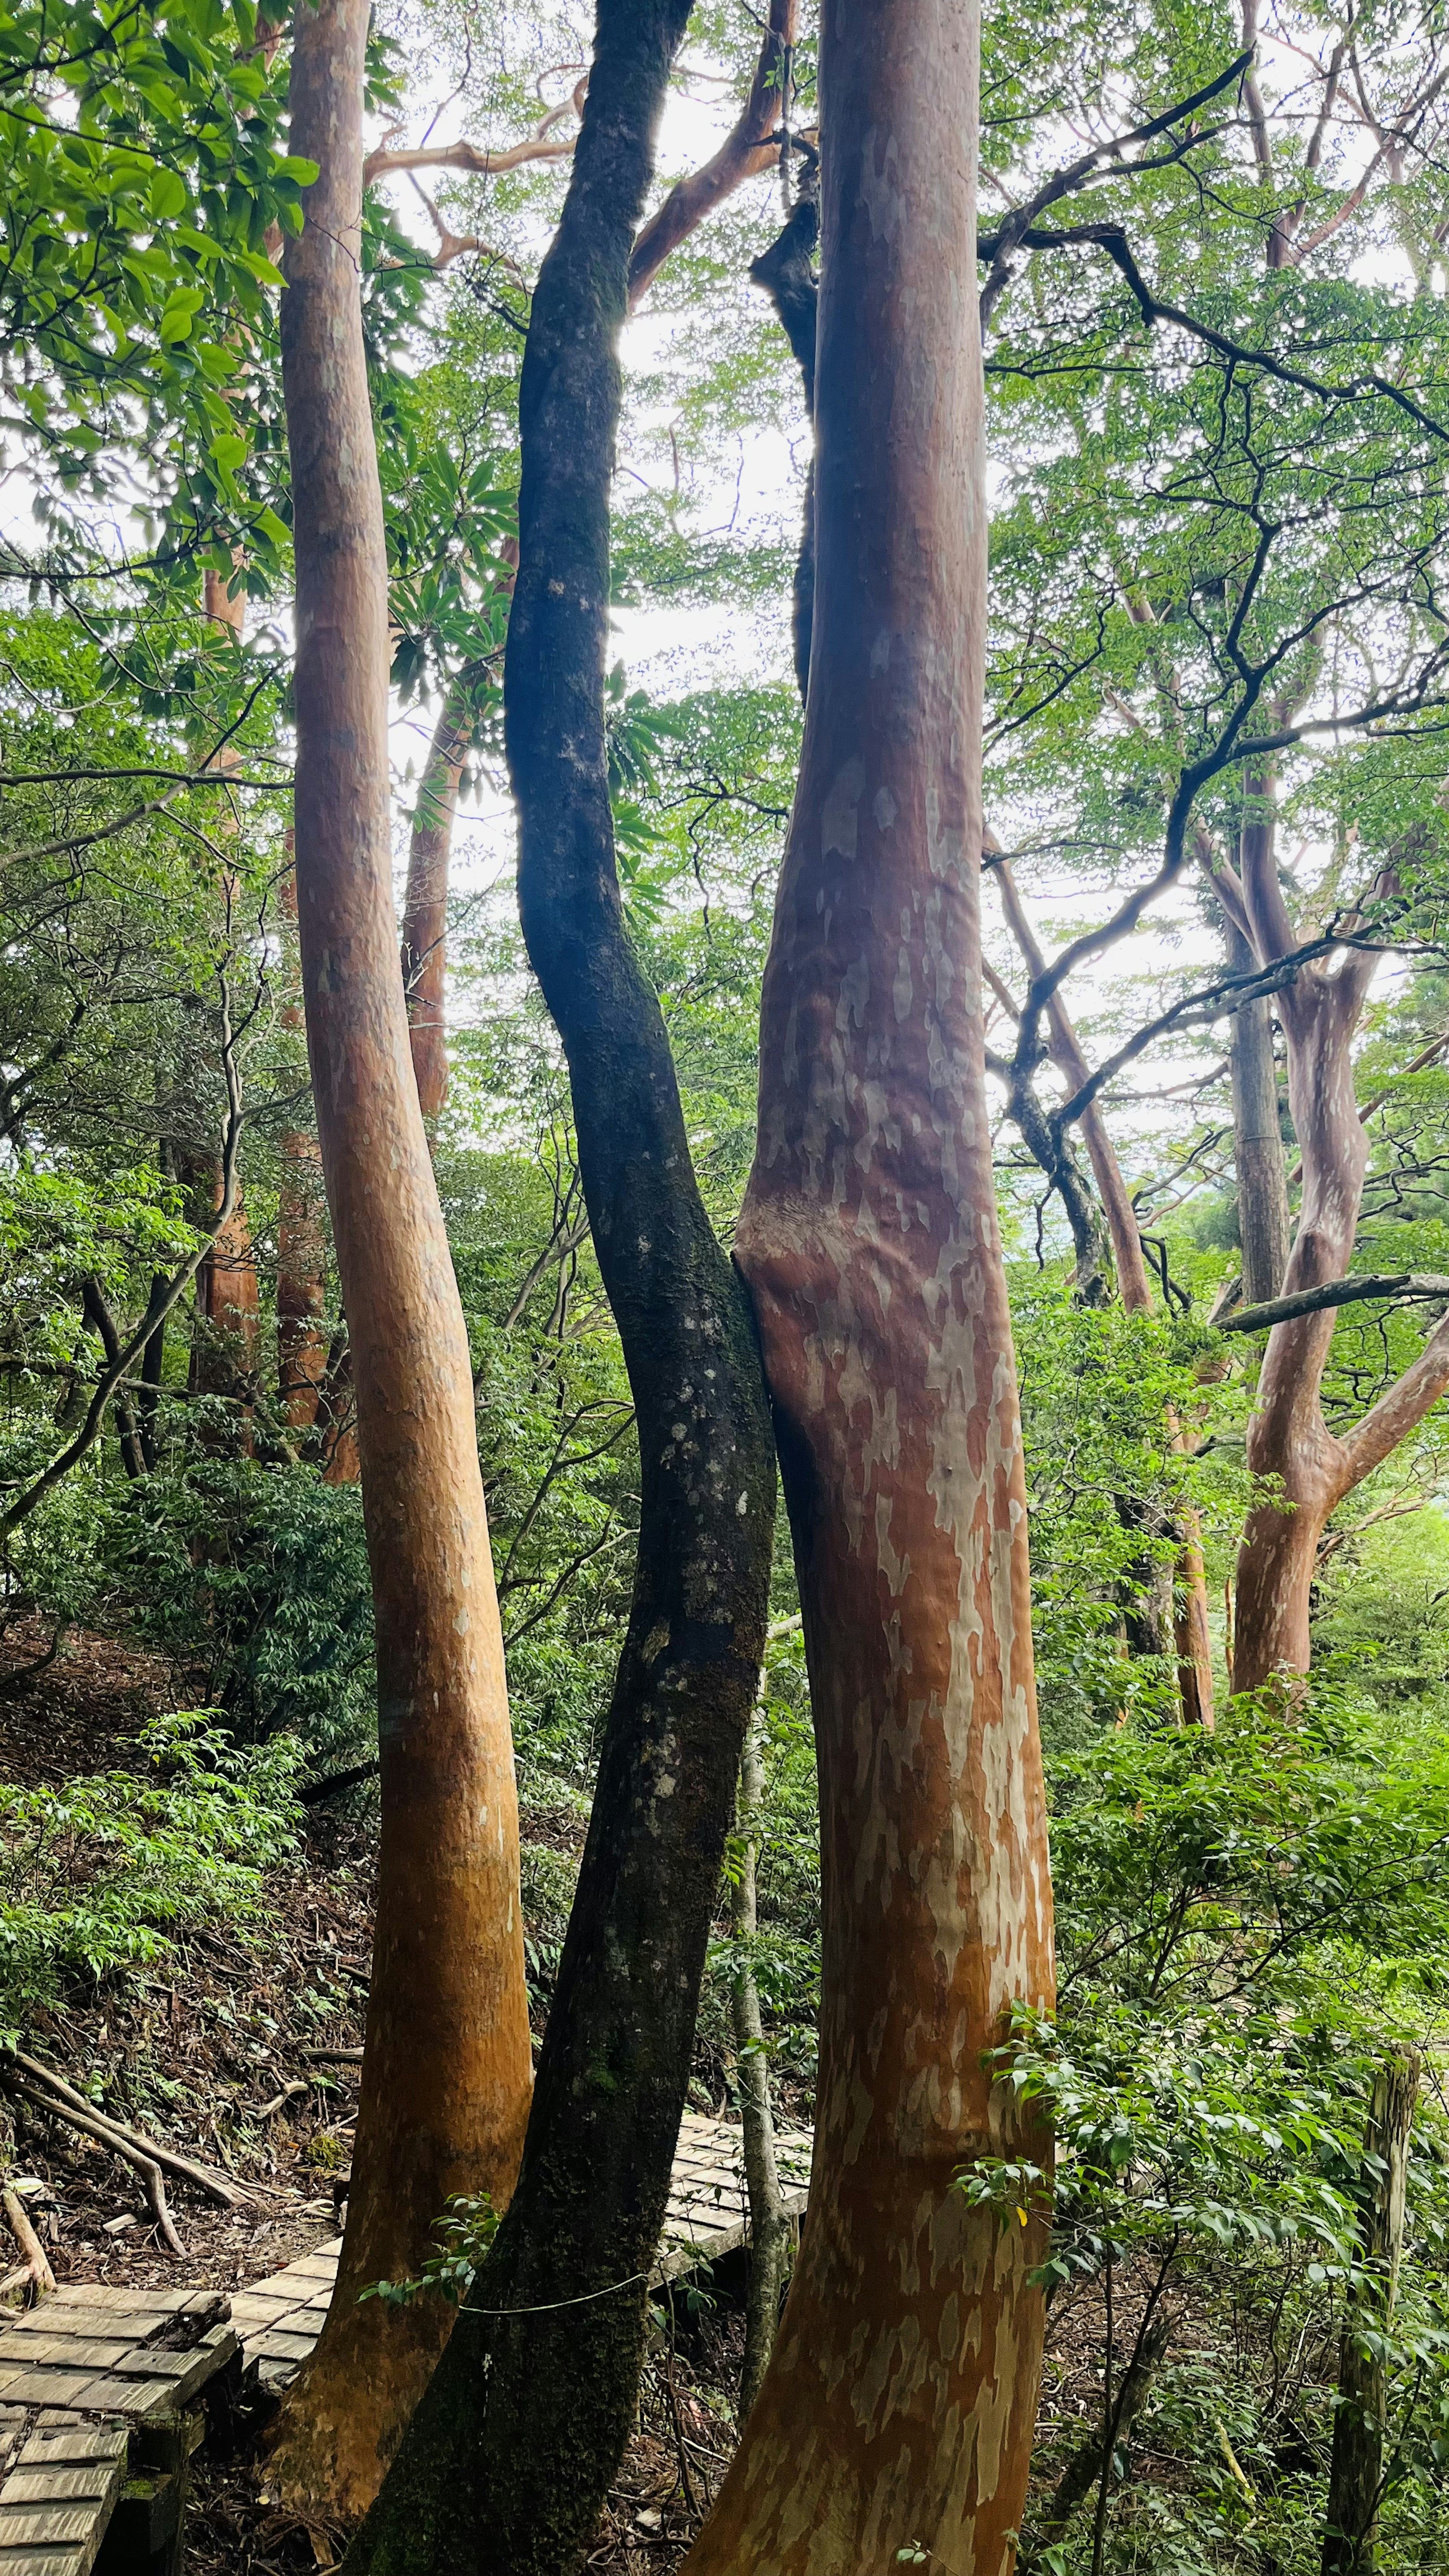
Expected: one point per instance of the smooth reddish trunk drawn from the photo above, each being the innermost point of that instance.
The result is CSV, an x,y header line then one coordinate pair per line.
x,y
897,2410
446,2075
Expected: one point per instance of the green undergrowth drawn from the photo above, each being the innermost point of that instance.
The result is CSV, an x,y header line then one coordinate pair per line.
x,y
97,1875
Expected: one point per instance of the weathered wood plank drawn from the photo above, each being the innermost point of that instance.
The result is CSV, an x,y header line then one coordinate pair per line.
x,y
62,2438
46,2526
84,2485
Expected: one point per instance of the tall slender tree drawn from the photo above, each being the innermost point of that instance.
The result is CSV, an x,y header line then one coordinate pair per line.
x,y
446,2070
897,2411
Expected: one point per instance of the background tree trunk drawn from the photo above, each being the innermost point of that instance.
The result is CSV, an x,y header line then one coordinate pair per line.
x,y
1264,1222
302,1342
1171,1617
445,2077
769,2221
898,2406
510,2456
1356,2469
425,910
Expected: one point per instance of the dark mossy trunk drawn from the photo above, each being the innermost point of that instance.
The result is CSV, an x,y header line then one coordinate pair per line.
x,y
509,2457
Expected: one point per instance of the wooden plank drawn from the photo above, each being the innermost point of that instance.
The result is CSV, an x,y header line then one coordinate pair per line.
x,y
99,2294
46,2526
58,2486
66,2352
56,2504
61,2438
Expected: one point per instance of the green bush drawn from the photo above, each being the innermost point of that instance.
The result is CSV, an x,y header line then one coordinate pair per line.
x,y
95,1876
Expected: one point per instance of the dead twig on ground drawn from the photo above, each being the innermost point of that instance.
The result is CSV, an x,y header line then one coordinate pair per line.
x,y
35,2270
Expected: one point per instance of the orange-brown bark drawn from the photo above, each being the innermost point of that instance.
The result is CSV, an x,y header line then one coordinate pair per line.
x,y
898,2406
446,2074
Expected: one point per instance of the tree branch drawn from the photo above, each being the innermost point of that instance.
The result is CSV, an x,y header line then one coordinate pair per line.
x,y
751,145
1401,1285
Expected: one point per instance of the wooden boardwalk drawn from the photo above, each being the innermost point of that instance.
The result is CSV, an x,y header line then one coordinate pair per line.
x,y
95,2385
279,2320
99,2387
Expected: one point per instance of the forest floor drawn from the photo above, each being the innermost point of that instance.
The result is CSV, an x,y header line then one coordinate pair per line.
x,y
213,2051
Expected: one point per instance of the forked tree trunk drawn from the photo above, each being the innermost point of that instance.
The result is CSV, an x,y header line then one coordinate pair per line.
x,y
446,2072
510,2455
1356,2466
1288,1439
897,2410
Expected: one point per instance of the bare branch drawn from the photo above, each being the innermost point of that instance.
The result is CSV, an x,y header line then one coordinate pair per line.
x,y
1402,1286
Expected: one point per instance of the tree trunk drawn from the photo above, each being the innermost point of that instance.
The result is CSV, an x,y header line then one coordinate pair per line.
x,y
425,907
1356,2468
769,2220
510,2456
445,2076
1264,1222
302,1342
1084,2469
898,2406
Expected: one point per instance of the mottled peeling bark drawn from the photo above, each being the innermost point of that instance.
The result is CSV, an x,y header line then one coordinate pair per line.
x,y
446,2073
898,2406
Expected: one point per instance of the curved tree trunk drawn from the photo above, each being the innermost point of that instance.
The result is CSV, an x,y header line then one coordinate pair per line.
x,y
510,2455
445,2077
897,2410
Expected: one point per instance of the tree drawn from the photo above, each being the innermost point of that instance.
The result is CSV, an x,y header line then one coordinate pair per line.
x,y
446,2075
897,2410
1312,1468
